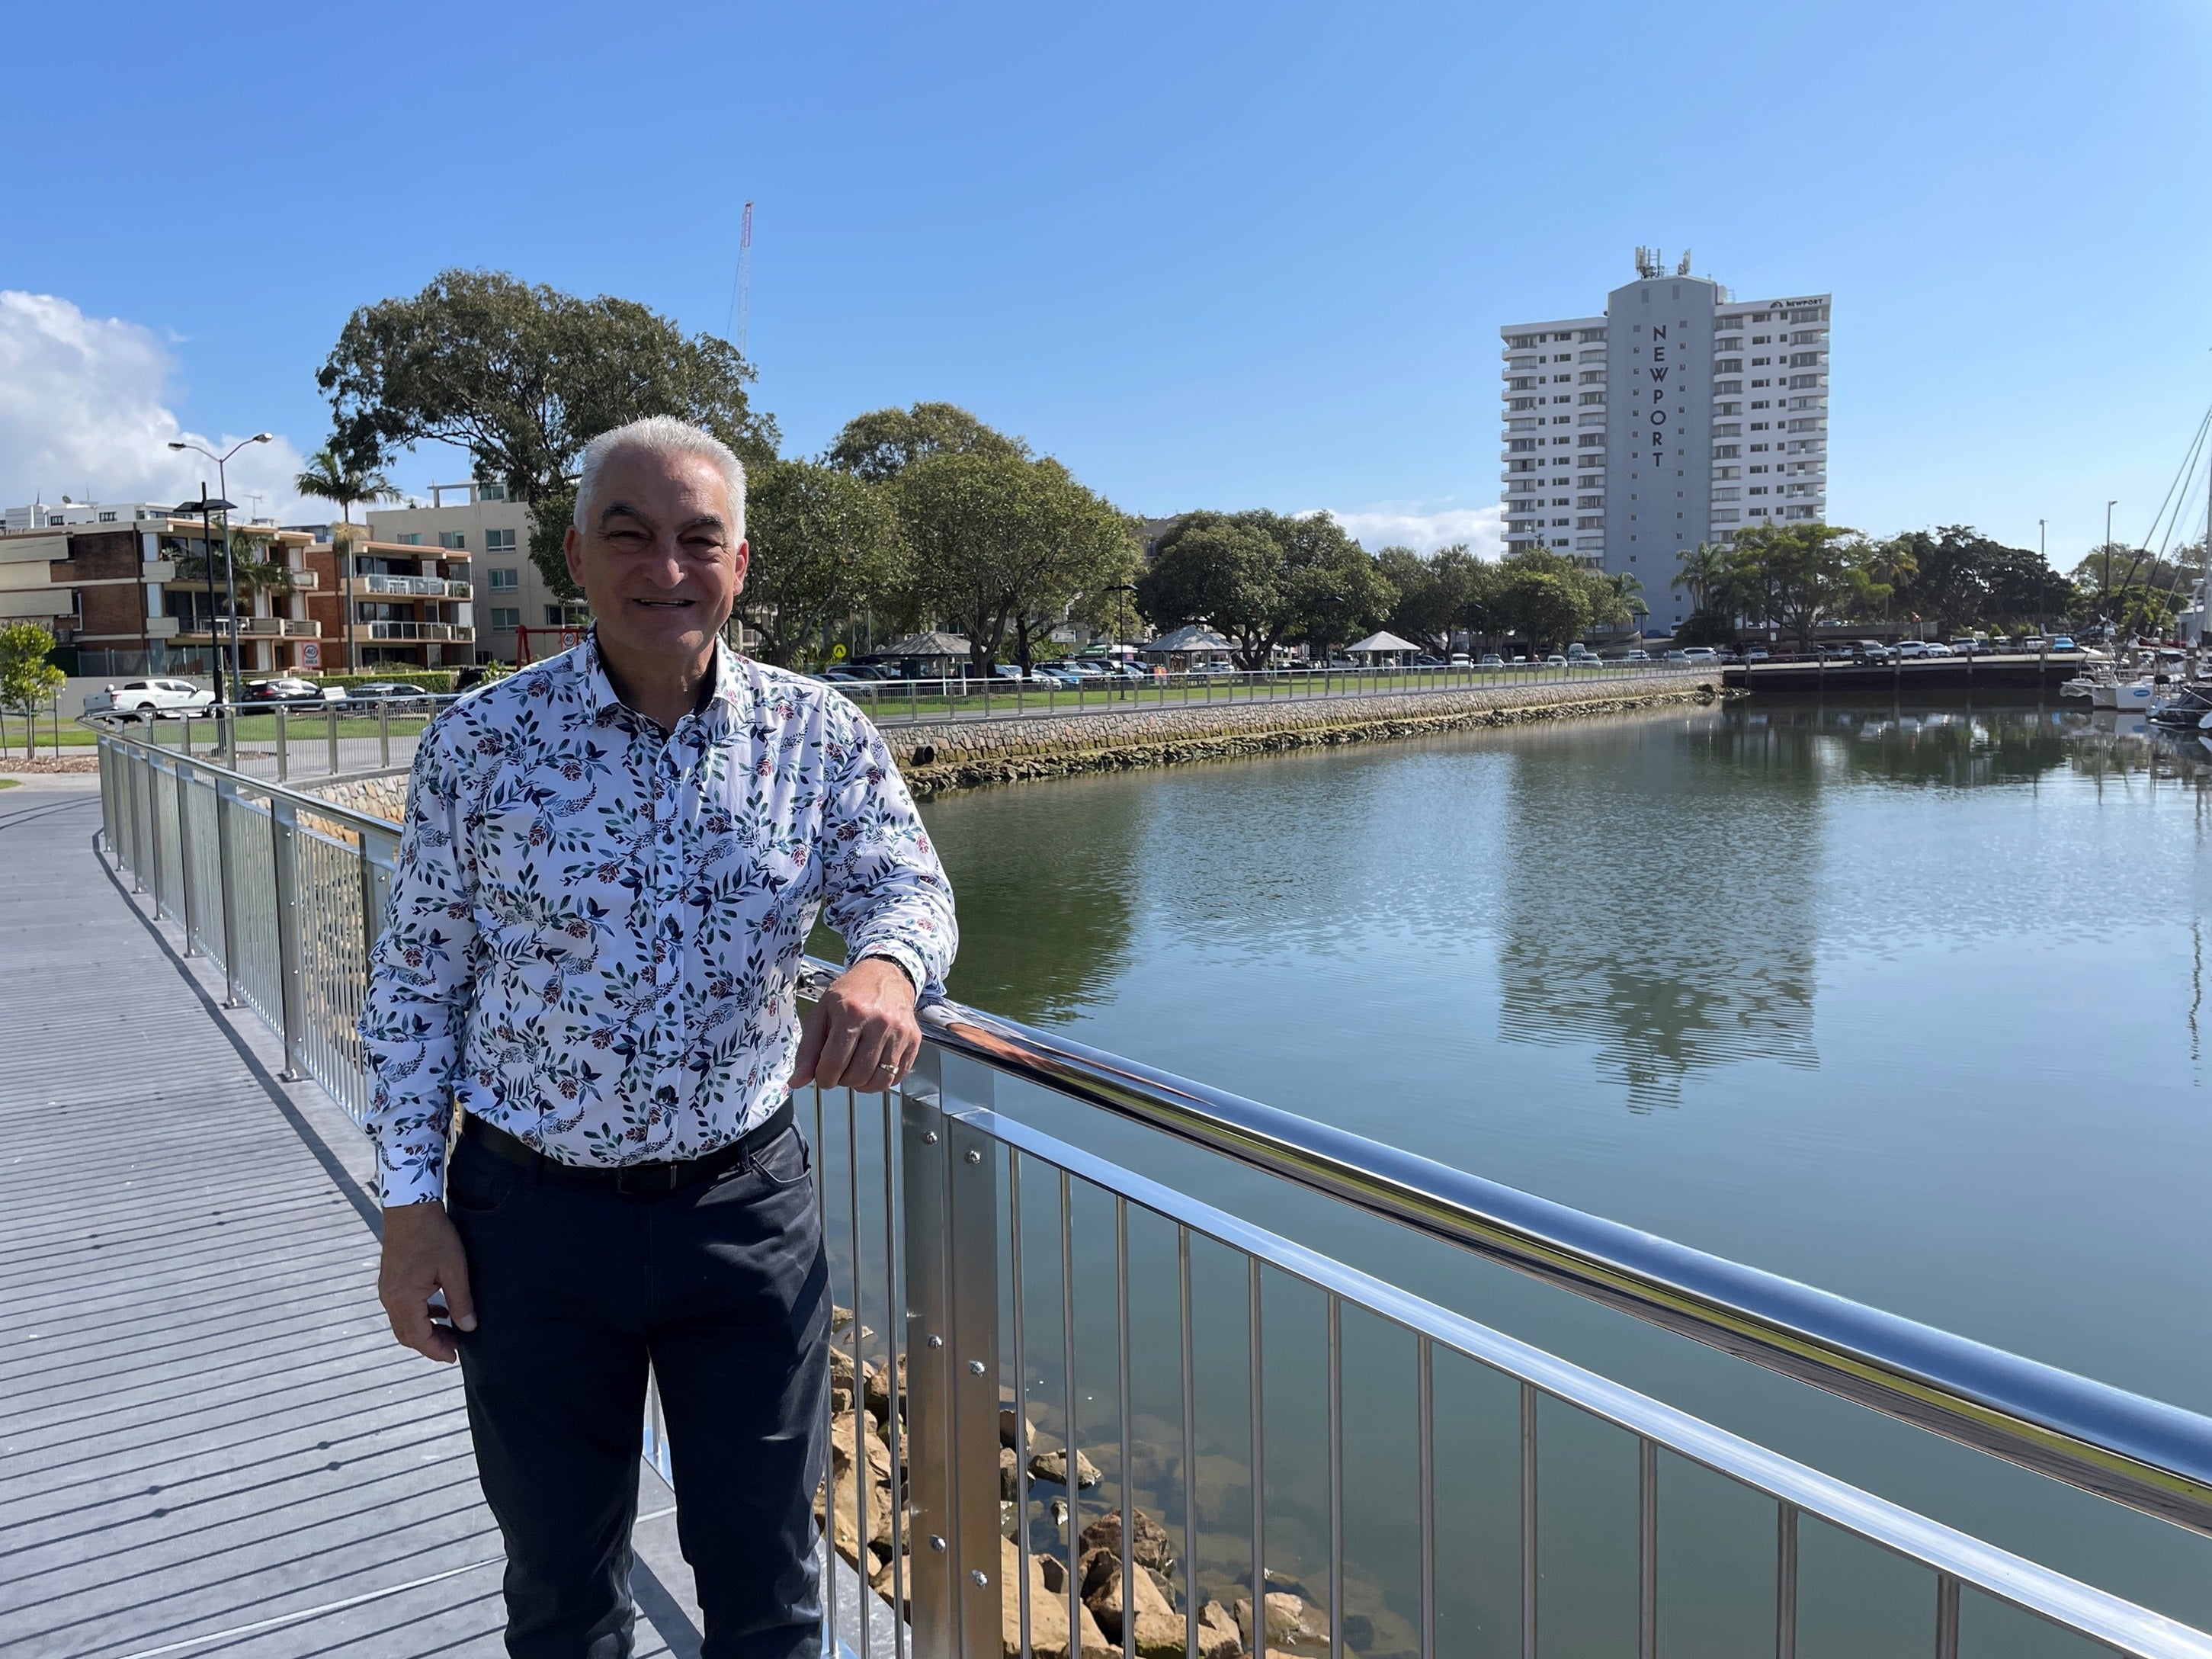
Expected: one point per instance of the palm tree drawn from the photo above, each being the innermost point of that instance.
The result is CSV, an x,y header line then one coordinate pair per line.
x,y
1628,591
345,486
1704,571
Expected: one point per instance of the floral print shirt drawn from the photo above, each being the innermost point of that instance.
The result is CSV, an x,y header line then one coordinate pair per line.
x,y
596,928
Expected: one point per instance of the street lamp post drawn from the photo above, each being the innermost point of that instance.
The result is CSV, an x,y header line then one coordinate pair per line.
x,y
2107,595
230,572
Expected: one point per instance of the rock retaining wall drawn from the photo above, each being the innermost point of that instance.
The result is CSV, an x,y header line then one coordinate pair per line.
x,y
963,755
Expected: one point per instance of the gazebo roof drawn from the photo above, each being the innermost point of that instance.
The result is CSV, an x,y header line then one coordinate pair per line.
x,y
1196,637
1376,642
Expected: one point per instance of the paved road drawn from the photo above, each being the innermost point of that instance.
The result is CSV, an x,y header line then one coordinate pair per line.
x,y
212,1443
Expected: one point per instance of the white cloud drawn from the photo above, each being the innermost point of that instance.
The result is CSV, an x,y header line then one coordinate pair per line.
x,y
82,410
1395,524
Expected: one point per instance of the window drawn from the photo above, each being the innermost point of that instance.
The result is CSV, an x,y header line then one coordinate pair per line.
x,y
504,580
1762,339
1593,377
1727,452
410,539
487,491
454,539
1589,500
1592,396
506,616
1762,363
108,518
1563,357
553,617
1804,359
499,541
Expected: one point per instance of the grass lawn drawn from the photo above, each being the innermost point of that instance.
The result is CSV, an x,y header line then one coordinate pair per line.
x,y
11,783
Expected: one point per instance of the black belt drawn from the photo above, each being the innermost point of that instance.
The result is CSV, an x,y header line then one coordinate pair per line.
x,y
629,1178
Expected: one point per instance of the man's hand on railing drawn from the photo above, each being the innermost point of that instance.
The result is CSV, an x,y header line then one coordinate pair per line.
x,y
862,1034
423,1255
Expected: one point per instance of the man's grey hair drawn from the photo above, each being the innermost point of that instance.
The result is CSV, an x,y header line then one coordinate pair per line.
x,y
660,434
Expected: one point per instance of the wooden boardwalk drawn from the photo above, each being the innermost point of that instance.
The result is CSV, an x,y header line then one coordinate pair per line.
x,y
211,1445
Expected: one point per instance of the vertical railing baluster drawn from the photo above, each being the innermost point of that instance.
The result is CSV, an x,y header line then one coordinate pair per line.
x,y
152,797
1258,1384
331,714
284,847
863,1481
1021,1393
1785,1580
895,1302
1335,1477
1067,1387
283,751
828,1413
184,853
1528,1520
1425,1386
1647,1548
1122,1403
383,734
1189,1447
1947,1616
226,797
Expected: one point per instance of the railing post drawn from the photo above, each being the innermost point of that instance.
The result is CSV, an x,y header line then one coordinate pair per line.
x,y
226,797
331,714
383,734
284,759
952,1348
376,890
184,853
284,831
140,829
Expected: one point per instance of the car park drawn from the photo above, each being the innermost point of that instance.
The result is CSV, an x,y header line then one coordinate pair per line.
x,y
150,699
1836,650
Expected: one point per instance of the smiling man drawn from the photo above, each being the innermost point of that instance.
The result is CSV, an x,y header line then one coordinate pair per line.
x,y
611,865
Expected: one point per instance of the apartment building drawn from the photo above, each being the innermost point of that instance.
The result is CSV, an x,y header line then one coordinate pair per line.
x,y
1680,414
477,523
131,590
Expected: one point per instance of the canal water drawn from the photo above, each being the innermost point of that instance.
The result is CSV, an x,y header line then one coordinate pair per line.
x,y
1906,1002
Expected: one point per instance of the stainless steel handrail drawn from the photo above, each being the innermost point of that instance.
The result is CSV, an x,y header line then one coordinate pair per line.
x,y
2142,1453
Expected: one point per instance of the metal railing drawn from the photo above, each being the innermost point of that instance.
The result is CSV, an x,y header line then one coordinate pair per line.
x,y
346,738
920,702
1055,1377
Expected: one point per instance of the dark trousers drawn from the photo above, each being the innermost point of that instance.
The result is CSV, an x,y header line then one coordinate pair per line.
x,y
722,1289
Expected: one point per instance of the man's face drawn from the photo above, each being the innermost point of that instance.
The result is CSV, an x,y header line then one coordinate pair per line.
x,y
660,561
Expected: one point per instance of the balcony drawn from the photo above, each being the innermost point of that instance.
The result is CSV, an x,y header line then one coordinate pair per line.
x,y
295,628
158,570
304,581
458,633
435,587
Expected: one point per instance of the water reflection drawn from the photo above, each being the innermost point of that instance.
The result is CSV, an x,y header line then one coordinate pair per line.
x,y
1659,905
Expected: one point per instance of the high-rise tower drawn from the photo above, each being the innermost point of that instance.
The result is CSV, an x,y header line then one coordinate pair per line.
x,y
1680,415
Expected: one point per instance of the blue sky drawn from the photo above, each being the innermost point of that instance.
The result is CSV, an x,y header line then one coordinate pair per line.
x,y
1209,255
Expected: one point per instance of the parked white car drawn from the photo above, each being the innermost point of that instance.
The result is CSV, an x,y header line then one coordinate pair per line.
x,y
1698,653
148,699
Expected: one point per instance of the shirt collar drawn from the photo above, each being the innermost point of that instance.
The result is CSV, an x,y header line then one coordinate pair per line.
x,y
729,700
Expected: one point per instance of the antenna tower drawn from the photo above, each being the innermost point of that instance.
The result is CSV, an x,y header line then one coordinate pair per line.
x,y
744,277
741,286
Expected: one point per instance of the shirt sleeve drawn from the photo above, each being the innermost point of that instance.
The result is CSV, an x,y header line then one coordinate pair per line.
x,y
417,1008
883,889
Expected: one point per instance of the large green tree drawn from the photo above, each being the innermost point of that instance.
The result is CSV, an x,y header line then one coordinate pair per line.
x,y
1545,607
996,541
883,443
1799,575
523,377
1223,570
1435,594
824,545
